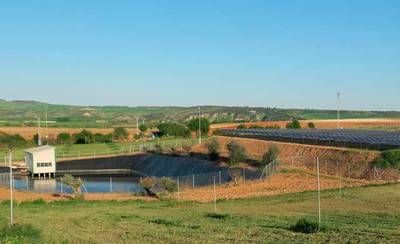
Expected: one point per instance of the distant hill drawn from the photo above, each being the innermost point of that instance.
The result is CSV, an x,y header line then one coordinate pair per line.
x,y
26,112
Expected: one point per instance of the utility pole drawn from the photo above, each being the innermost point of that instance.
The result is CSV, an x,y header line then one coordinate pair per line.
x,y
319,196
199,125
338,110
11,190
47,131
137,125
39,141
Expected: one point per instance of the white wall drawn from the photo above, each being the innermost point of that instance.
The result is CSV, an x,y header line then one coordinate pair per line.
x,y
43,156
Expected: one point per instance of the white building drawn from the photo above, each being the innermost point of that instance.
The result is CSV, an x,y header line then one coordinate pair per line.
x,y
41,161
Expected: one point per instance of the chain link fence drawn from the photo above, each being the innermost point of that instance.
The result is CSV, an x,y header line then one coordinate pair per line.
x,y
131,184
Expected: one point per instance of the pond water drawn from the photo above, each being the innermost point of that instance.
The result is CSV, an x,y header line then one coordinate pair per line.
x,y
91,184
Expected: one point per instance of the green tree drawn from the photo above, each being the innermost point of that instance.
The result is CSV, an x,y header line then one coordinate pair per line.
x,y
120,133
193,125
311,125
63,138
143,128
74,183
271,155
101,138
83,137
294,124
237,153
173,129
213,149
8,140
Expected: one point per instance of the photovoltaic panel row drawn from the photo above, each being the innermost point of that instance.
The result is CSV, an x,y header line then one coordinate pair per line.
x,y
369,139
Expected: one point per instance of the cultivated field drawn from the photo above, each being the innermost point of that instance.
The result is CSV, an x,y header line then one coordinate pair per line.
x,y
29,132
359,215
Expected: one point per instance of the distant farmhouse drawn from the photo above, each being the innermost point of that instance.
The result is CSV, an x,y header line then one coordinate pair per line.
x,y
41,161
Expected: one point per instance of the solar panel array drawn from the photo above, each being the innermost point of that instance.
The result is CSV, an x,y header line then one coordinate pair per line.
x,y
363,139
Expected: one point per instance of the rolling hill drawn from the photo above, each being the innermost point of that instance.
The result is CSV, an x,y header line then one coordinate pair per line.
x,y
19,113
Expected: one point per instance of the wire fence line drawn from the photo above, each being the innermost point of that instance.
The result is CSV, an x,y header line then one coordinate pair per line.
x,y
131,184
345,169
69,151
177,145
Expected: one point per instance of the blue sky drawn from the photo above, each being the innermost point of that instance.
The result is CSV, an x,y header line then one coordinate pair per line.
x,y
291,54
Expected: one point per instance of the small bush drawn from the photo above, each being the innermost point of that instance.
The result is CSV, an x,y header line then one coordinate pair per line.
x,y
168,184
294,124
242,126
271,155
148,182
311,125
165,222
19,234
217,216
388,159
213,149
237,153
305,226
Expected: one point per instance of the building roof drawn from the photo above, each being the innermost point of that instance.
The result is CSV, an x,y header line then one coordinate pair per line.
x,y
39,149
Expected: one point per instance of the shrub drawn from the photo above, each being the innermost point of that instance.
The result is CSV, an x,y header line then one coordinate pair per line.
x,y
311,125
101,138
213,149
271,155
217,216
193,125
63,138
173,129
388,159
120,133
83,137
242,126
19,234
148,183
294,124
10,141
168,184
74,183
305,226
237,153
143,128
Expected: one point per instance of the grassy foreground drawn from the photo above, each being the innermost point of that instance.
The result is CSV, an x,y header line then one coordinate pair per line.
x,y
366,215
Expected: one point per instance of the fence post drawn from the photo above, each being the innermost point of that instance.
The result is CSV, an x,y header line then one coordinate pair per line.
x,y
177,184
27,183
219,175
319,196
111,188
61,186
193,180
215,198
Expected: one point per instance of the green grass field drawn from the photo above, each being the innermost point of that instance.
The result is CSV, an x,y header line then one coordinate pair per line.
x,y
360,215
101,149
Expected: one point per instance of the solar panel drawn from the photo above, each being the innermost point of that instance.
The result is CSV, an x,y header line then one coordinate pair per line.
x,y
368,139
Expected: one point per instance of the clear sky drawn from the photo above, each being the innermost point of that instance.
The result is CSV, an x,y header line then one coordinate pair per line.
x,y
290,53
